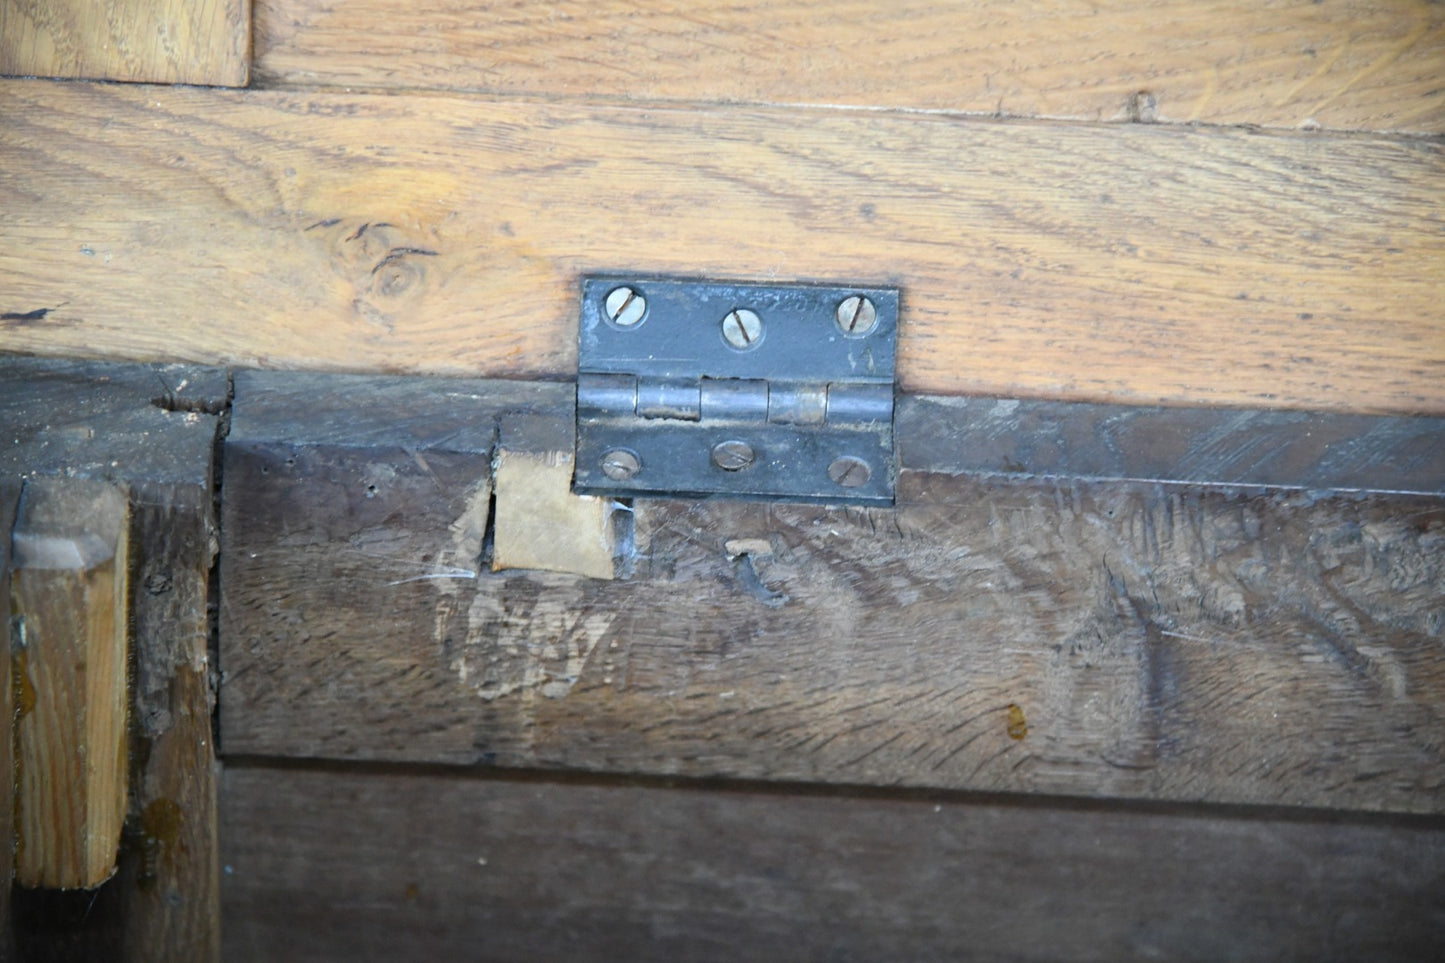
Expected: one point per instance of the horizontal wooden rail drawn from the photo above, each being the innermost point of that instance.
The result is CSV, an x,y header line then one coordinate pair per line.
x,y
1045,636
407,864
152,41
1329,64
444,235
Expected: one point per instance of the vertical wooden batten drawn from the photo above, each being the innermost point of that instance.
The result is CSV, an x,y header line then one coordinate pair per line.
x,y
69,589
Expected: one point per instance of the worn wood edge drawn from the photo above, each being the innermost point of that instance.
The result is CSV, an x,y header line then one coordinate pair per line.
x,y
171,862
100,419
698,871
1253,302
9,503
1329,65
134,41
1010,439
834,789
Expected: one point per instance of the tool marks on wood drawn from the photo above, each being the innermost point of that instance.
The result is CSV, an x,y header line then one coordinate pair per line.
x,y
1087,639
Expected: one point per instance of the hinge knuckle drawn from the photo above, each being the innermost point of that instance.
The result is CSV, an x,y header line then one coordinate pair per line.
x,y
797,404
669,398
605,394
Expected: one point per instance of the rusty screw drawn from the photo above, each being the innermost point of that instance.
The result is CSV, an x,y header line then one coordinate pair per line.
x,y
733,455
742,328
619,464
849,472
856,316
625,307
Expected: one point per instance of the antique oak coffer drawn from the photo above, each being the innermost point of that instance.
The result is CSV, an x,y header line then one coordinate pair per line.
x,y
643,480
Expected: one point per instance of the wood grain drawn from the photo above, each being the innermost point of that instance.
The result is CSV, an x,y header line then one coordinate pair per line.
x,y
151,428
151,41
69,591
443,235
1094,640
393,865
9,501
1332,64
171,862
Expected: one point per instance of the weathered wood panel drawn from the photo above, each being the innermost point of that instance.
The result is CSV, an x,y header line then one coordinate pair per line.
x,y
1332,64
9,501
172,858
153,429
155,41
70,595
322,865
1100,640
418,233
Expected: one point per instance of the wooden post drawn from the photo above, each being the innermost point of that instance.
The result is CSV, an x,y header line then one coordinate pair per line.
x,y
68,604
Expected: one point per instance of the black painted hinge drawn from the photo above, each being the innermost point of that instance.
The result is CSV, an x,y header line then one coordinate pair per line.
x,y
702,388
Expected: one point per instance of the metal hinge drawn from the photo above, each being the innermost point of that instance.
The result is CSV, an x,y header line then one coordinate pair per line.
x,y
698,388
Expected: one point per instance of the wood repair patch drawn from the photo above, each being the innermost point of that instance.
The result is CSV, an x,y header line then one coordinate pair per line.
x,y
541,524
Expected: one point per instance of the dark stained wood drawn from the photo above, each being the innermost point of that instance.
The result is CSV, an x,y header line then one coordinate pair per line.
x,y
153,429
340,864
172,909
1045,637
9,501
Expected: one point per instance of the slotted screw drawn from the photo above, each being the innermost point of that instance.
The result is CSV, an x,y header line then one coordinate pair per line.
x,y
849,472
856,315
619,464
733,455
625,307
742,328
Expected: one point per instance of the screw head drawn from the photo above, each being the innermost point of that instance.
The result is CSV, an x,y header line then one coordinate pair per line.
x,y
856,316
619,464
733,455
742,329
625,307
849,472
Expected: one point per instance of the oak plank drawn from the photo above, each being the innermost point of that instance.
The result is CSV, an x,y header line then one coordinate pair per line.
x,y
9,501
403,864
171,864
151,428
1328,64
1039,636
445,235
149,41
69,590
